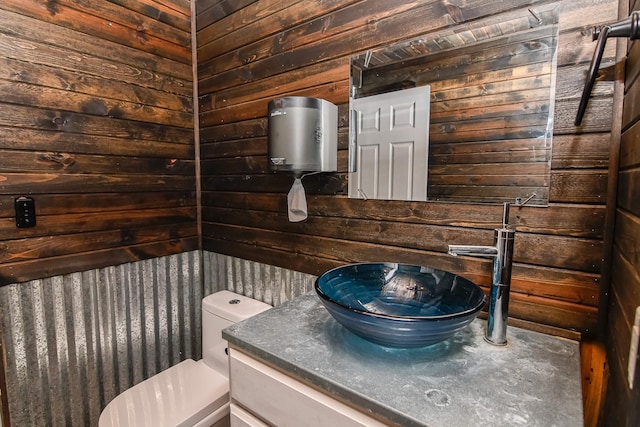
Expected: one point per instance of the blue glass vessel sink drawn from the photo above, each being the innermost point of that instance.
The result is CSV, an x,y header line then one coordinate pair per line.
x,y
399,305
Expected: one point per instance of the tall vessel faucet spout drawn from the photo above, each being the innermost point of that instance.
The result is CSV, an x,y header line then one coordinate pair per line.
x,y
502,254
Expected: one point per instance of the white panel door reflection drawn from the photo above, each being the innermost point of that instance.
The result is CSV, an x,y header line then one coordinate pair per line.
x,y
392,145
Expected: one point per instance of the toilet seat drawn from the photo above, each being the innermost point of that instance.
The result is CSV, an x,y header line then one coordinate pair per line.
x,y
181,396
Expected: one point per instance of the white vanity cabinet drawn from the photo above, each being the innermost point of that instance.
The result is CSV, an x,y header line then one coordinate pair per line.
x,y
293,365
262,395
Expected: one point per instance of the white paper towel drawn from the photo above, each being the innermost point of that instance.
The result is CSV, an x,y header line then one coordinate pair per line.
x,y
297,202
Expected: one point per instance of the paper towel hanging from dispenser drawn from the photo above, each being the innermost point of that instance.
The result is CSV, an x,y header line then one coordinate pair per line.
x,y
303,135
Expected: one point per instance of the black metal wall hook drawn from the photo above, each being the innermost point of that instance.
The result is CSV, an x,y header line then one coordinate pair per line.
x,y
628,27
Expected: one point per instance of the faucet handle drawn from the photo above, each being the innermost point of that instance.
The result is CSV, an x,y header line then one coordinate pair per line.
x,y
520,202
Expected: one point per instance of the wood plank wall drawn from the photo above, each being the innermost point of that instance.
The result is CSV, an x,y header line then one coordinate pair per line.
x,y
252,51
96,124
621,408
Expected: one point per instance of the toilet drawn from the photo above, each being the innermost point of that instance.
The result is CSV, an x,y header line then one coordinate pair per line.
x,y
191,393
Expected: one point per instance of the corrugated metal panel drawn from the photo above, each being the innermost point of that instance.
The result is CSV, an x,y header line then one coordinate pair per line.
x,y
273,285
74,342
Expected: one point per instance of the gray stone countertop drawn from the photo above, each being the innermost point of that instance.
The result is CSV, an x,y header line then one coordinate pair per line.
x,y
534,380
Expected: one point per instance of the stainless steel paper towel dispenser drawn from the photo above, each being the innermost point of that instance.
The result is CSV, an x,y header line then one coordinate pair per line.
x,y
303,135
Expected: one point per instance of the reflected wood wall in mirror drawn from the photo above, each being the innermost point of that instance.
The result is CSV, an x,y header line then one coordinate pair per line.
x,y
492,85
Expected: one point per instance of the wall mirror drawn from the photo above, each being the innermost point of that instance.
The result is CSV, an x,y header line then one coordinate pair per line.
x,y
489,114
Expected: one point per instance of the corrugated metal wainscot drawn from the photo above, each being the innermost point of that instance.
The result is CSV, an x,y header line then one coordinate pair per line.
x,y
74,342
264,282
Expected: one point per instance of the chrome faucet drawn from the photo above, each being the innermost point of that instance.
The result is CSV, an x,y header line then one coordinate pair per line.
x,y
502,254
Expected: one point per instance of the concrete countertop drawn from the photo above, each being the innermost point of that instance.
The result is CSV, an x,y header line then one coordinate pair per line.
x,y
534,380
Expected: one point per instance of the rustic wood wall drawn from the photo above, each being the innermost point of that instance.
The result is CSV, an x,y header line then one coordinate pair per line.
x,y
96,124
621,408
252,51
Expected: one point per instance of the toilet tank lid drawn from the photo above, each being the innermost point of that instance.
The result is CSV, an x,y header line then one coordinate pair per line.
x,y
232,307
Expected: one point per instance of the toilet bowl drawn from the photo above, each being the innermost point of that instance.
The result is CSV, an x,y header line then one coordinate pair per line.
x,y
191,393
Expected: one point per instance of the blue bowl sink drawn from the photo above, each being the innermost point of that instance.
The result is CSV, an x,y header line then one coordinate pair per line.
x,y
399,305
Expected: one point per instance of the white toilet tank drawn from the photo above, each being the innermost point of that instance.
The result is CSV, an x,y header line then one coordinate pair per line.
x,y
219,311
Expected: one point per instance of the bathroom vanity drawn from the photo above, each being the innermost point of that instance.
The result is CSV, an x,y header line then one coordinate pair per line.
x,y
295,365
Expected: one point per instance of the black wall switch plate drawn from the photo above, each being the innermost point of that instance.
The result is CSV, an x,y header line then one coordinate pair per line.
x,y
25,212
